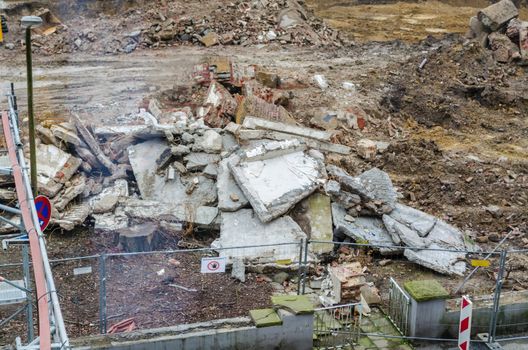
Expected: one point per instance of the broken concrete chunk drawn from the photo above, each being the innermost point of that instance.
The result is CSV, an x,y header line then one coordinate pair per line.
x,y
107,200
314,216
211,171
244,228
258,123
238,270
271,149
210,39
46,135
275,185
110,222
229,143
364,229
180,150
496,15
230,196
523,42
156,211
210,142
221,106
153,185
415,219
503,49
404,234
66,135
449,263
367,149
77,185
75,215
155,108
198,161
54,168
256,107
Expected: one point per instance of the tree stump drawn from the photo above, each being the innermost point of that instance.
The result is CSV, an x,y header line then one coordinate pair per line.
x,y
139,238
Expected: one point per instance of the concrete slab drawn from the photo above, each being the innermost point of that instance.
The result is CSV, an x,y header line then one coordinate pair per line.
x,y
314,216
244,228
449,263
156,211
230,196
364,229
154,186
259,123
273,186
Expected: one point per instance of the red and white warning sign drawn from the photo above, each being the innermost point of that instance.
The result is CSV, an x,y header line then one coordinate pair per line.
x,y
464,334
213,265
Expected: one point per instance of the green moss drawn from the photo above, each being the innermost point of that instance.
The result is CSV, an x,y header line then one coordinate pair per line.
x,y
265,318
298,304
426,290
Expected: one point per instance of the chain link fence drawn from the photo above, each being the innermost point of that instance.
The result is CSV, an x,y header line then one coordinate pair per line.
x,y
111,292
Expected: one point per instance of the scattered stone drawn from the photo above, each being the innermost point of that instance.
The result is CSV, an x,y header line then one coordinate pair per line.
x,y
367,149
371,294
503,49
180,150
280,277
210,39
107,200
221,106
256,107
494,237
321,81
211,171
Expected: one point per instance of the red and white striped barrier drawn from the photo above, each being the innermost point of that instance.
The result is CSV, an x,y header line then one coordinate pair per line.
x,y
464,331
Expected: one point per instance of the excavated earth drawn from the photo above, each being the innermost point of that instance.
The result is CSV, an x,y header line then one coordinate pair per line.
x,y
457,127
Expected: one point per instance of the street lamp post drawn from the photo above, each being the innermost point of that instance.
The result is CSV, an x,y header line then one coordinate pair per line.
x,y
29,22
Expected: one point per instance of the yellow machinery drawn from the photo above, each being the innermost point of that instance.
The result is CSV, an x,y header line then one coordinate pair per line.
x,y
3,27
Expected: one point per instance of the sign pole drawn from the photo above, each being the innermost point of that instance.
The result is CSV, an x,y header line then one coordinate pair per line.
x,y
464,330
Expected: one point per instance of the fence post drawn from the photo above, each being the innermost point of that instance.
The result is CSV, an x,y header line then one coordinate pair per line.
x,y
102,294
27,277
300,282
305,265
496,298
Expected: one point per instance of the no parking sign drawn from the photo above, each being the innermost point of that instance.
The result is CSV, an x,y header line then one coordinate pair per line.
x,y
43,206
213,265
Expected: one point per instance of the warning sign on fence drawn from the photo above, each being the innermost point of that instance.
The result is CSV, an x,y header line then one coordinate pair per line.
x,y
213,265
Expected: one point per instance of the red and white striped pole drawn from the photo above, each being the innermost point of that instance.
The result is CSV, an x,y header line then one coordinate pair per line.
x,y
464,331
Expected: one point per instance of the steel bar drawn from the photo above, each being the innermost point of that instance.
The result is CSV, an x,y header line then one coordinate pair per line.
x,y
299,272
496,299
9,209
27,280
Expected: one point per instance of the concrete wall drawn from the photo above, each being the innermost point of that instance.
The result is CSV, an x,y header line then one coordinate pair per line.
x,y
296,332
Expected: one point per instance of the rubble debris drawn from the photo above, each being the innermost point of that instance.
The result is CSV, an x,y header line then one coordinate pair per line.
x,y
230,196
364,229
93,144
210,39
198,161
275,185
127,325
107,200
110,222
156,187
139,238
76,186
259,123
347,279
150,210
67,135
314,217
504,50
256,107
54,168
209,142
46,136
496,15
449,263
220,104
370,293
74,215
373,186
243,228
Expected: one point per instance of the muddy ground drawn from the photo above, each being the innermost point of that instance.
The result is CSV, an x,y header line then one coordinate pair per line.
x,y
458,127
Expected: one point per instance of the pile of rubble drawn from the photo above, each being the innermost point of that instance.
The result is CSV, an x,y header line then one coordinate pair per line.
x,y
239,164
242,23
498,28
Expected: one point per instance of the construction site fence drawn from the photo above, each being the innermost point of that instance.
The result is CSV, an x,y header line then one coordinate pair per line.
x,y
164,288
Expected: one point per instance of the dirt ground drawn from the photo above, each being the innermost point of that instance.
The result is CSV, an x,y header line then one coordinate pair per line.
x,y
457,128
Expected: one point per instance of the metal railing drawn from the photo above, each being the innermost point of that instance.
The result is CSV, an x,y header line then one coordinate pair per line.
x,y
399,307
338,326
